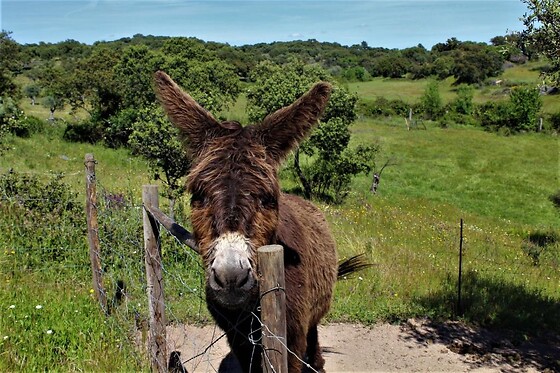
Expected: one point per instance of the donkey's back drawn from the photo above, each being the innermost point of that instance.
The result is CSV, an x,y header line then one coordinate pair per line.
x,y
310,270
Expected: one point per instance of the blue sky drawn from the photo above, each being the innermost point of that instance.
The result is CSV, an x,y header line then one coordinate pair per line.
x,y
381,23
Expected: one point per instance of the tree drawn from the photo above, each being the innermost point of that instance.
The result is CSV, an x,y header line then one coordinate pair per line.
x,y
9,52
211,83
52,81
157,140
330,164
32,91
92,85
134,74
542,30
474,63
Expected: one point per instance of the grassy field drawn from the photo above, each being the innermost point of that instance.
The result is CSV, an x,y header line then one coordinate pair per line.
x,y
500,186
411,226
411,90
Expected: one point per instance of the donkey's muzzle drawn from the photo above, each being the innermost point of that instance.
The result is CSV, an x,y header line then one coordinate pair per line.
x,y
231,279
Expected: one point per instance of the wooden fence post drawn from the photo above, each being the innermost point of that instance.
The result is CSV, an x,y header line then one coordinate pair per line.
x,y
273,308
157,347
93,232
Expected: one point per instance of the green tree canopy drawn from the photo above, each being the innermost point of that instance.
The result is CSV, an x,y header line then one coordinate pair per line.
x,y
156,139
9,63
330,164
542,32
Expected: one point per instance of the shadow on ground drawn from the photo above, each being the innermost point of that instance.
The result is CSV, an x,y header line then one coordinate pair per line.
x,y
519,327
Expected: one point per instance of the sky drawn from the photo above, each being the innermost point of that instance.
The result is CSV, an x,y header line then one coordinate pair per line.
x,y
381,23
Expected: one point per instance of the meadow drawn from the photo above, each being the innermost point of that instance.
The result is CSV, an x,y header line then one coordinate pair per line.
x,y
410,91
500,186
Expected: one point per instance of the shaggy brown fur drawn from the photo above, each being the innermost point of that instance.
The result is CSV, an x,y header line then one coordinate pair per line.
x,y
234,188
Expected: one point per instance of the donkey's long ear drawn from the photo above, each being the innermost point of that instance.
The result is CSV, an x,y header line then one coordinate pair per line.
x,y
194,122
283,130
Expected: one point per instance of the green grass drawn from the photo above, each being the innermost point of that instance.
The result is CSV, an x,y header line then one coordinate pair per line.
x,y
411,91
54,324
50,154
510,178
410,228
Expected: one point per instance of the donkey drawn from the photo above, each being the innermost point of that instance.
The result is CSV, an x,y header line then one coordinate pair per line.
x,y
237,207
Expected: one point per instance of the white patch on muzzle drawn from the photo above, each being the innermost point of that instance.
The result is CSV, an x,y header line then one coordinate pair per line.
x,y
231,250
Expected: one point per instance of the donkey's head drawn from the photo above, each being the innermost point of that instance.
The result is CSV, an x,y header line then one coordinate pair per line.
x,y
234,185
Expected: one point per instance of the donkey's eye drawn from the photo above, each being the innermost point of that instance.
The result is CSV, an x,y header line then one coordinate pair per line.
x,y
197,199
268,201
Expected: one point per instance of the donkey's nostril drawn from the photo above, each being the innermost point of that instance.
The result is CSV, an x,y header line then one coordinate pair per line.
x,y
243,279
231,279
217,279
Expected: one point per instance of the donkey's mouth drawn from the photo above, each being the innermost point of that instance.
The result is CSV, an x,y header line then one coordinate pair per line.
x,y
233,298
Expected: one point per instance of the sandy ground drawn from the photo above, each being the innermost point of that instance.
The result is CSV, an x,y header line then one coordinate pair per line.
x,y
416,346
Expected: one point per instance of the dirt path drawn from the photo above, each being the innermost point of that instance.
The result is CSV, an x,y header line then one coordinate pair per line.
x,y
417,346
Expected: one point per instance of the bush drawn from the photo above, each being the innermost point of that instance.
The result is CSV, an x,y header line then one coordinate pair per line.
x,y
464,102
494,115
520,113
431,101
89,131
525,105
45,210
27,126
555,122
452,117
384,107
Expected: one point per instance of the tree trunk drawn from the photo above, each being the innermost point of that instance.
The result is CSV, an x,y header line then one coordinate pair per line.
x,y
302,178
172,208
375,182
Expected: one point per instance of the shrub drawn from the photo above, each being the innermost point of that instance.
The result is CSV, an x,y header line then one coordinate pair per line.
x,y
27,126
384,107
525,106
494,115
464,102
45,210
431,101
555,121
89,131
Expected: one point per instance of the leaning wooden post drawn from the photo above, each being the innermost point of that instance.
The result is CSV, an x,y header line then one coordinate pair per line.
x,y
273,308
157,348
93,232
